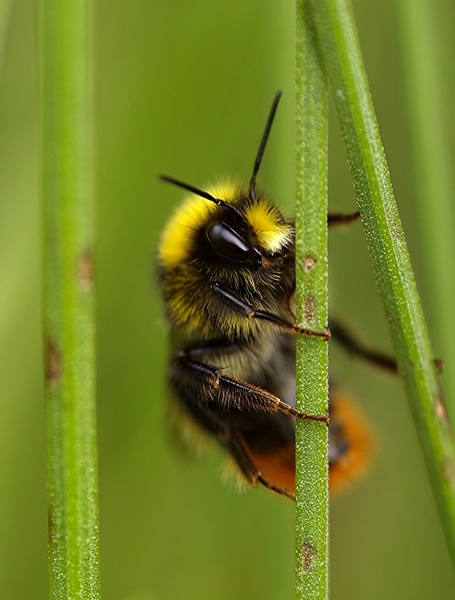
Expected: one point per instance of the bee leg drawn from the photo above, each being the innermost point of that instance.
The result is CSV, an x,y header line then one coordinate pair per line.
x,y
354,346
342,219
250,470
204,384
234,442
247,310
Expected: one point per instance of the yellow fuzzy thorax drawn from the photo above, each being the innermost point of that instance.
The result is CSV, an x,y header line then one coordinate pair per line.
x,y
271,234
270,231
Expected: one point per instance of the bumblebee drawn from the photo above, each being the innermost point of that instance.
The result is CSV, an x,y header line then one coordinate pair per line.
x,y
226,269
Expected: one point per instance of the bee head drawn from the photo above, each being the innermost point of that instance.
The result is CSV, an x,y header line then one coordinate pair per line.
x,y
226,229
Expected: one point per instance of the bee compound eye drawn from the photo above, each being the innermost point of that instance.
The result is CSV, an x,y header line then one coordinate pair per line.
x,y
227,242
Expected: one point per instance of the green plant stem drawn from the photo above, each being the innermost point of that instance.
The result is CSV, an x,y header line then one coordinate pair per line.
x,y
435,184
69,327
311,130
339,44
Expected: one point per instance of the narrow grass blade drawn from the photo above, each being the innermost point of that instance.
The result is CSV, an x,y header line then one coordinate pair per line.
x,y
342,58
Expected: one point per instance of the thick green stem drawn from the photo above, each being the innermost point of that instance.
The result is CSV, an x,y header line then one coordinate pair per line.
x,y
311,127
339,45
69,327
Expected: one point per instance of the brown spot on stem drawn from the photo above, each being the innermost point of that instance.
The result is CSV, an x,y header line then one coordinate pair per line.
x,y
309,262
309,554
309,308
85,269
439,364
398,234
53,367
441,409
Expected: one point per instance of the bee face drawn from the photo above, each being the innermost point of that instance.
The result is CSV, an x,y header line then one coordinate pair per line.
x,y
226,267
244,245
241,232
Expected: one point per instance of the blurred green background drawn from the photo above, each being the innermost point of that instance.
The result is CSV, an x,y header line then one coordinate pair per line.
x,y
184,88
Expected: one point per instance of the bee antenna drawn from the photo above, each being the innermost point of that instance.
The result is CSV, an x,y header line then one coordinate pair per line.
x,y
197,191
265,136
191,188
